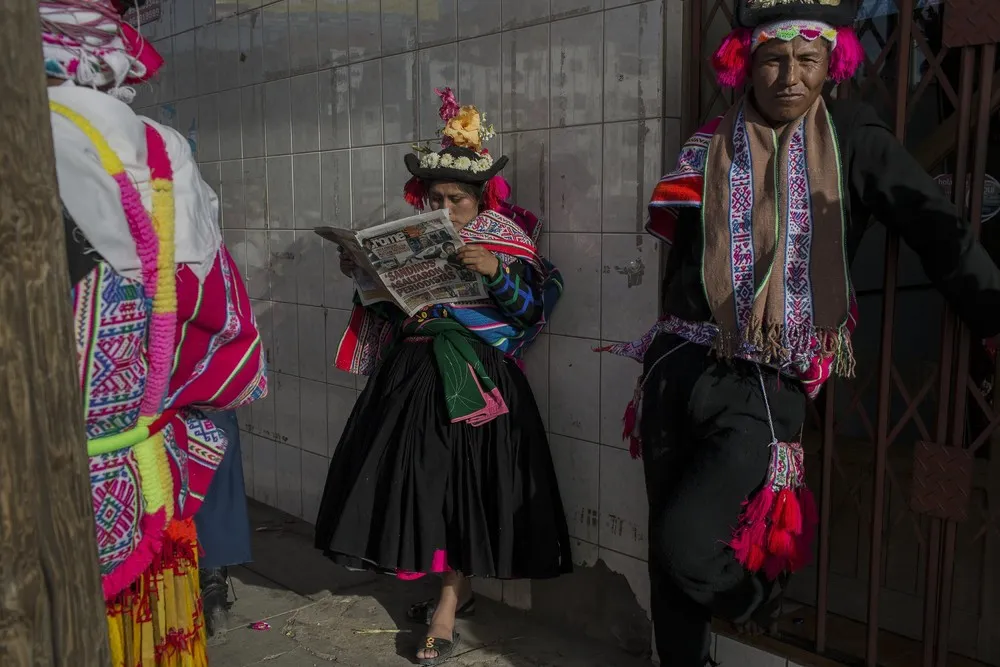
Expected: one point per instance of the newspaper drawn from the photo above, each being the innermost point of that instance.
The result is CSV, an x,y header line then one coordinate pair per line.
x,y
409,262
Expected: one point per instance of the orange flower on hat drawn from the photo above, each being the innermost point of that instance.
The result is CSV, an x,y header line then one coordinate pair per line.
x,y
463,129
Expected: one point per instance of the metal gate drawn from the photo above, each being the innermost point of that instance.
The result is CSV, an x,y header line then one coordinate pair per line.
x,y
909,489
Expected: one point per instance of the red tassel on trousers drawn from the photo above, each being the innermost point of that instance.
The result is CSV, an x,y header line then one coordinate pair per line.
x,y
629,430
775,531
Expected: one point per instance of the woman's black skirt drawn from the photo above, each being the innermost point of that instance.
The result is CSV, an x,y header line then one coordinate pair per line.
x,y
410,492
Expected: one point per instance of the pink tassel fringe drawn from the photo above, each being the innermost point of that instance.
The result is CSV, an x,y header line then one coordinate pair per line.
x,y
628,431
847,56
775,532
731,60
153,532
495,193
415,193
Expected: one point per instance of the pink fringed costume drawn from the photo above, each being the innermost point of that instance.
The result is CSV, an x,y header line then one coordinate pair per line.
x,y
162,325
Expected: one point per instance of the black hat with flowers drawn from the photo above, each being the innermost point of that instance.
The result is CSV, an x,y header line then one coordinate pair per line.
x,y
462,158
454,163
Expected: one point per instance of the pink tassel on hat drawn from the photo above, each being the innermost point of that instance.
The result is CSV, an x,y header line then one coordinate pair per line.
x,y
142,51
847,55
731,60
414,192
495,192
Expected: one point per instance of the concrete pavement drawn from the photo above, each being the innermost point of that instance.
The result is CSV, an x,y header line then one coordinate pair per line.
x,y
320,614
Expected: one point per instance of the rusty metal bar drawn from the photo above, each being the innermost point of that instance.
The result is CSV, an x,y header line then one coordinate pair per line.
x,y
975,190
987,59
825,507
885,355
948,333
944,608
931,591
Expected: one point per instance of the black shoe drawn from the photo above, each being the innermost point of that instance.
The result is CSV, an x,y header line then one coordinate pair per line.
x,y
215,599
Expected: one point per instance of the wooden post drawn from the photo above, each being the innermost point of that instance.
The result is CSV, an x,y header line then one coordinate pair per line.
x,y
51,606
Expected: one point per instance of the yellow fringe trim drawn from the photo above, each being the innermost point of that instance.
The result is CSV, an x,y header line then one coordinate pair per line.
x,y
161,613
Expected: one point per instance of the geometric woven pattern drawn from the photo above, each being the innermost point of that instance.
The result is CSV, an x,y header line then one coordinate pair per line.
x,y
942,481
200,347
206,445
177,457
117,503
110,329
971,23
110,333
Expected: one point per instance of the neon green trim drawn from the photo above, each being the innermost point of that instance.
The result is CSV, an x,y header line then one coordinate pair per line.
x,y
117,441
491,283
701,217
184,328
92,326
843,217
517,290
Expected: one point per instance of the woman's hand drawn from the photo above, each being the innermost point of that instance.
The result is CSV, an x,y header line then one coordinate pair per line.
x,y
347,264
479,259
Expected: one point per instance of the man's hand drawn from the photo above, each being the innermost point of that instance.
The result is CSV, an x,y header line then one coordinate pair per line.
x,y
479,259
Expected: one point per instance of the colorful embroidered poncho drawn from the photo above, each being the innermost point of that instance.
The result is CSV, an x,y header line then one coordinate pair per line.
x,y
152,353
494,321
809,353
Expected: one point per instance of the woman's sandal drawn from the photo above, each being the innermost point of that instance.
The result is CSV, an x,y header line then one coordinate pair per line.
x,y
445,649
422,612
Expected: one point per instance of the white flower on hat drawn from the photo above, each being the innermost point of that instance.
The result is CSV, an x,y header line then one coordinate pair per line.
x,y
448,161
430,160
482,164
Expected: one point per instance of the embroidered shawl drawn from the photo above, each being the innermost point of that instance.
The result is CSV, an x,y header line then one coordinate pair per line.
x,y
812,362
152,352
774,262
368,335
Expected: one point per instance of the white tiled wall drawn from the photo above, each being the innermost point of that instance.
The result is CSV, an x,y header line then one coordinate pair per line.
x,y
301,111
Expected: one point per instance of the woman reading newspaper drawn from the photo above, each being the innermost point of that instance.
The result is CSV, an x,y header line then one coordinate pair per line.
x,y
444,466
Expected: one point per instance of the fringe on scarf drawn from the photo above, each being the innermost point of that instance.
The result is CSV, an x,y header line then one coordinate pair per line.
x,y
778,346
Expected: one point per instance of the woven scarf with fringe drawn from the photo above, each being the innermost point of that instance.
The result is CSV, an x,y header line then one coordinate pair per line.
x,y
774,261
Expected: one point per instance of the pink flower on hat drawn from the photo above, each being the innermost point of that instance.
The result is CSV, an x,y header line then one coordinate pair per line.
x,y
449,105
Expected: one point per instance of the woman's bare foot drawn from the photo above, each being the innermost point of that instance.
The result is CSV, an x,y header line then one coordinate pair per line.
x,y
455,590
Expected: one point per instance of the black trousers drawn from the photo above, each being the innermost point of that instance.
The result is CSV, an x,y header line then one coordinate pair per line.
x,y
705,436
